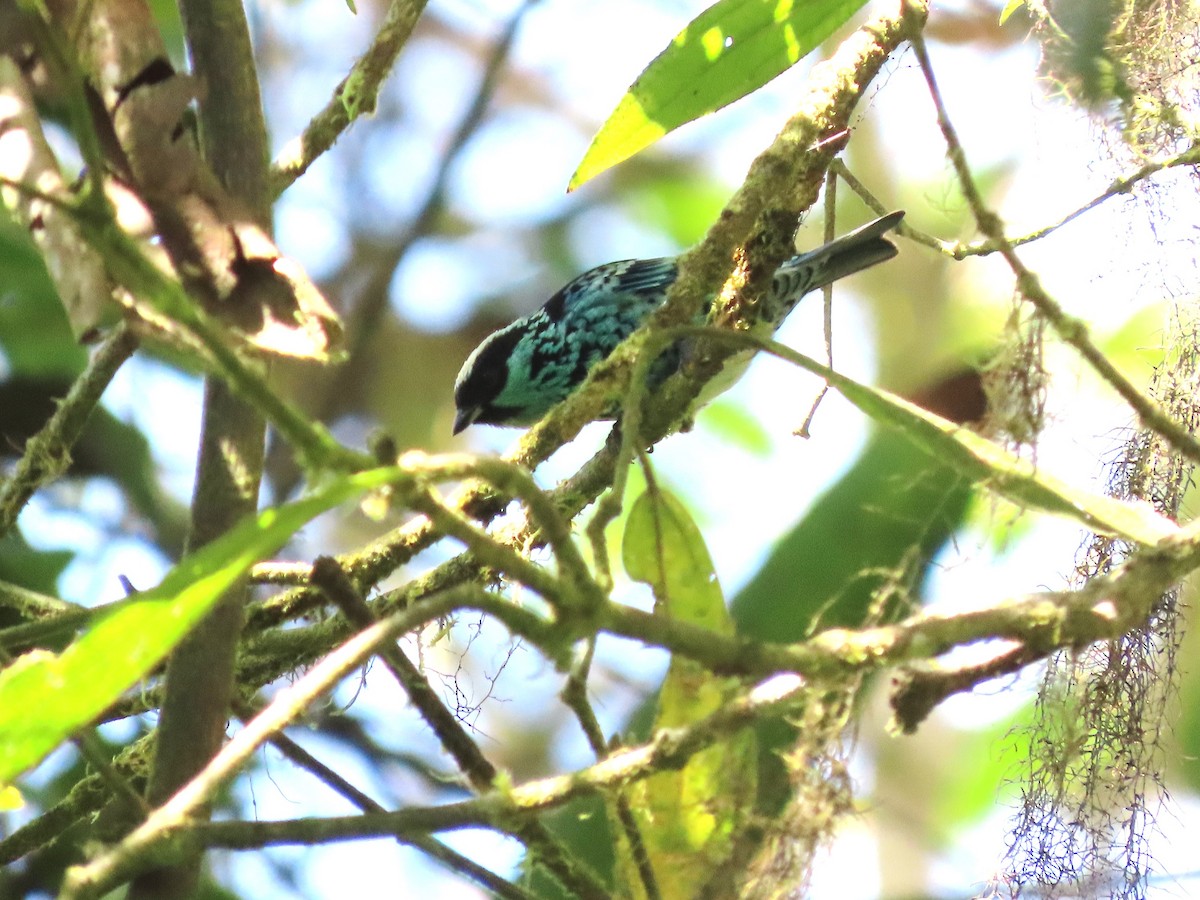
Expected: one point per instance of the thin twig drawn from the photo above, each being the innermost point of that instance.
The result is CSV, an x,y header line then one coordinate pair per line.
x,y
48,453
804,430
329,577
575,695
1070,329
449,857
489,552
479,771
1120,186
354,96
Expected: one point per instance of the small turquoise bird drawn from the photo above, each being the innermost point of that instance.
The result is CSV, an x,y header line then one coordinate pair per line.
x,y
519,372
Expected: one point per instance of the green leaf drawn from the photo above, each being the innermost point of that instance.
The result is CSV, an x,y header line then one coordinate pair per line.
x,y
881,522
687,818
1009,8
35,335
10,799
662,547
37,570
731,49
46,697
733,423
994,467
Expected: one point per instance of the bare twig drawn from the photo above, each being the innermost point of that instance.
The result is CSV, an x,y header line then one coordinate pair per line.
x,y
479,771
329,577
48,453
1072,330
1119,187
354,96
449,857
826,294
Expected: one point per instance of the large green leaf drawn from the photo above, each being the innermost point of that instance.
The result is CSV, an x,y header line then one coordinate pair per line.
x,y
884,519
46,697
994,467
731,49
662,547
687,818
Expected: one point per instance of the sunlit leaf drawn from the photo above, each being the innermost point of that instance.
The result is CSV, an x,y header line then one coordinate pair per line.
x,y
995,468
46,697
10,799
662,547
1009,8
731,49
686,818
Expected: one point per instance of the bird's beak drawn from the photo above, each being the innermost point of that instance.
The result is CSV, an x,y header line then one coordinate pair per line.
x,y
465,417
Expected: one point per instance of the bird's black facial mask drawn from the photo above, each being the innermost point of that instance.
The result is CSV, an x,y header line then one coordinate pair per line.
x,y
481,380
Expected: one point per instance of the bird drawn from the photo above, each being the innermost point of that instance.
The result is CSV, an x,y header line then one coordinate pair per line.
x,y
518,373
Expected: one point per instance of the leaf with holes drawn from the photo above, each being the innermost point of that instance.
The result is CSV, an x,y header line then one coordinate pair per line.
x,y
730,50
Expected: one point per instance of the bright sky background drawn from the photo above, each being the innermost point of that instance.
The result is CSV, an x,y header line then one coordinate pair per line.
x,y
518,171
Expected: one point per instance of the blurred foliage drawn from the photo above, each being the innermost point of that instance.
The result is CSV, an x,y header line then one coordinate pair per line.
x,y
1128,58
37,570
40,360
879,525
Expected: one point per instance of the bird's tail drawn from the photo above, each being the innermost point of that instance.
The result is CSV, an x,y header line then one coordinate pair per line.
x,y
860,249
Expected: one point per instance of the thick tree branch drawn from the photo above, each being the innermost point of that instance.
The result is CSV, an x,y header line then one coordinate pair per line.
x,y
199,683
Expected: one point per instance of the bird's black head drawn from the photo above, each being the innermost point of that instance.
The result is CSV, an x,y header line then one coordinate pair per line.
x,y
482,378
